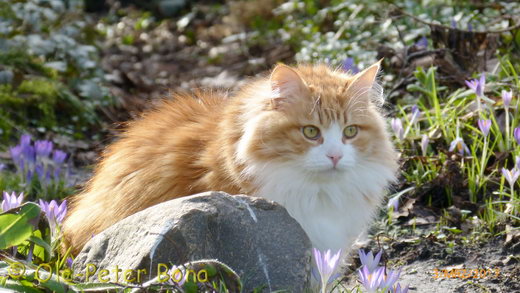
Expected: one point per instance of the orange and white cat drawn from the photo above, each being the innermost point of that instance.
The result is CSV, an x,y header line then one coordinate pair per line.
x,y
308,137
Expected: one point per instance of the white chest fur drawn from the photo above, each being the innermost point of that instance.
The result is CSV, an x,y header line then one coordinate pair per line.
x,y
333,210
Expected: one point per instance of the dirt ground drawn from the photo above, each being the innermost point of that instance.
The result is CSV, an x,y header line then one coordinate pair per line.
x,y
429,265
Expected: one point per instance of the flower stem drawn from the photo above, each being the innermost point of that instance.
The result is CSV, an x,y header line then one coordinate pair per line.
x,y
483,162
407,130
507,128
323,287
512,199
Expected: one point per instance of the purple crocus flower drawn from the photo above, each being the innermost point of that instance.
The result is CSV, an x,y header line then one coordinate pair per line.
x,y
484,126
25,140
368,260
29,175
507,96
422,43
39,170
59,156
43,174
43,148
349,65
35,160
374,278
511,175
2,166
416,114
11,201
424,144
398,289
29,153
16,152
477,85
178,275
390,279
458,143
69,262
453,23
371,280
397,126
394,202
326,264
517,162
516,133
55,213
16,156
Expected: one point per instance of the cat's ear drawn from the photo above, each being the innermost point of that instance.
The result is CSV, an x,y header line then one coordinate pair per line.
x,y
286,84
364,81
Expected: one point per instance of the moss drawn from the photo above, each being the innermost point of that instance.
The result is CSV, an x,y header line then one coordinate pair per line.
x,y
43,90
26,63
43,94
6,125
44,85
33,100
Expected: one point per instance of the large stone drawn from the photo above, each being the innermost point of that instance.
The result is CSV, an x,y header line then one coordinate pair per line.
x,y
255,237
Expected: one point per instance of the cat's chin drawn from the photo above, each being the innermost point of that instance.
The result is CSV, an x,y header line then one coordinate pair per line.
x,y
331,171
330,174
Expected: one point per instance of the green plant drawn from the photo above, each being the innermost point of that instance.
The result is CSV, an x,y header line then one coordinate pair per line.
x,y
50,79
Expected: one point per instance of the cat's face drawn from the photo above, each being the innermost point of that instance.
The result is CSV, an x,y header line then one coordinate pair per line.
x,y
320,121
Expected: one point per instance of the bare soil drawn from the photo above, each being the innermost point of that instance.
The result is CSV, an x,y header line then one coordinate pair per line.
x,y
429,264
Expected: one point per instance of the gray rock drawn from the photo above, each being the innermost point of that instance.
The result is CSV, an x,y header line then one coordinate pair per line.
x,y
255,237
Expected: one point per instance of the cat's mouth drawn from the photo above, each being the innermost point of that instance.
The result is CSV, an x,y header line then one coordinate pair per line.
x,y
329,170
334,170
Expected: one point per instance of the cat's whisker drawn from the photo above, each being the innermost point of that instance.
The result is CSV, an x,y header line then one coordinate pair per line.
x,y
315,105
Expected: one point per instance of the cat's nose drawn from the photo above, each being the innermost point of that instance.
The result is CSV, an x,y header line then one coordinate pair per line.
x,y
334,158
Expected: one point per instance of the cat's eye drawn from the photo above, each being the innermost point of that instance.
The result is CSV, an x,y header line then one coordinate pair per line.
x,y
311,132
350,131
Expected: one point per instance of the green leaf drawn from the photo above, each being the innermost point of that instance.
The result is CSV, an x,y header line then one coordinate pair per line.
x,y
453,230
517,37
414,87
59,286
190,287
49,280
13,230
17,225
18,287
40,242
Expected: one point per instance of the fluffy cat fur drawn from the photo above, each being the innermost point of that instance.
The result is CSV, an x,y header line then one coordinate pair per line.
x,y
253,143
